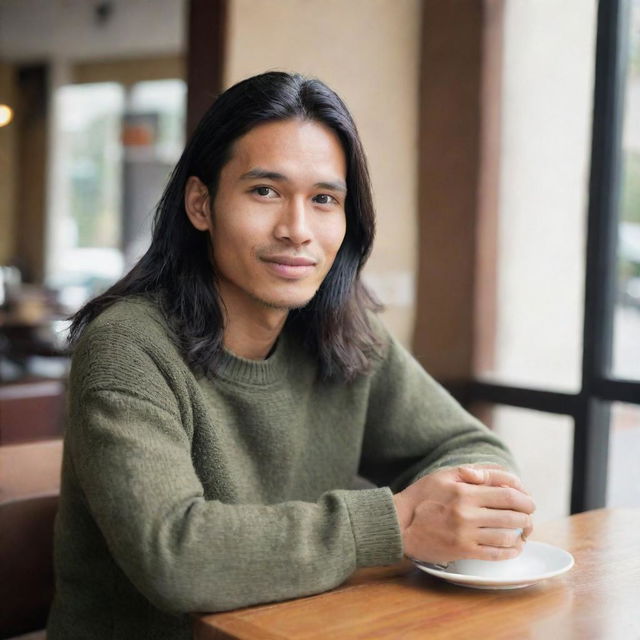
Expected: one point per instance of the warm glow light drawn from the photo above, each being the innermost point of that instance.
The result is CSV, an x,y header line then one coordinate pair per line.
x,y
6,115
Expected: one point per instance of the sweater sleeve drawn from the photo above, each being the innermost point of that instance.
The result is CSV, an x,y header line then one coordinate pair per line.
x,y
132,458
414,426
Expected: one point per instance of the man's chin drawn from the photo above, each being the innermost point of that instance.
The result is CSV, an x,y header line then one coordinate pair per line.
x,y
284,304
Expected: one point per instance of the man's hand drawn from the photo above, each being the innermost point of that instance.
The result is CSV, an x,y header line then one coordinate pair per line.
x,y
464,512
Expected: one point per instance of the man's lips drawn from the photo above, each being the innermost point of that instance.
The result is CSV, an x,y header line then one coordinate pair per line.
x,y
289,267
291,261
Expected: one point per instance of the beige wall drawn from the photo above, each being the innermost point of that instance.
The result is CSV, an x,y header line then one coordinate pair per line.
x,y
7,168
128,71
368,51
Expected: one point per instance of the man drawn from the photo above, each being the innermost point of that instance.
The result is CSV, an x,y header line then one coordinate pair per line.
x,y
225,393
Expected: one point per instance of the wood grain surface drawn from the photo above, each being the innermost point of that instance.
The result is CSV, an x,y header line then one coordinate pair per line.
x,y
599,599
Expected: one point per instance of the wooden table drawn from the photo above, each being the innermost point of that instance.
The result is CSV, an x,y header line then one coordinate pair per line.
x,y
599,599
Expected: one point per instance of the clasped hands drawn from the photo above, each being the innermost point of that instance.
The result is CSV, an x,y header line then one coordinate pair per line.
x,y
471,511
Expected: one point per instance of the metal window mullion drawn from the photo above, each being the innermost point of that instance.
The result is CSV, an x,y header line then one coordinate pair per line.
x,y
617,390
591,433
525,398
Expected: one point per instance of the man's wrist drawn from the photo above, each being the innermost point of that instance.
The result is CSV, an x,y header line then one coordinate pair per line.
x,y
404,512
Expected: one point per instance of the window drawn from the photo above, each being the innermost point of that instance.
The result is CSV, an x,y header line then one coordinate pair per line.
x,y
114,149
567,329
626,320
542,193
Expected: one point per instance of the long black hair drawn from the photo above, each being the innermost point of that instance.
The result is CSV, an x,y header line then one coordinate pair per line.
x,y
177,268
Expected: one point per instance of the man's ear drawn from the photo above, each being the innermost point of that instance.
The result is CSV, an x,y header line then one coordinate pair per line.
x,y
197,203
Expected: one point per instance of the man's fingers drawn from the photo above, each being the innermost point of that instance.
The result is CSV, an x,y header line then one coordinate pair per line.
x,y
486,465
503,498
490,476
451,507
487,552
499,537
503,519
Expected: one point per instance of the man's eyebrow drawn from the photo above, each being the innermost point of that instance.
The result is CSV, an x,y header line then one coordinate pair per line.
x,y
265,174
337,185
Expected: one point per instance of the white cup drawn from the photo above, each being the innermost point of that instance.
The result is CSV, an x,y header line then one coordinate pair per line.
x,y
497,569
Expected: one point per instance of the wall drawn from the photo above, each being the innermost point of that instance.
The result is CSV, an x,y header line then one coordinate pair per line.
x,y
368,51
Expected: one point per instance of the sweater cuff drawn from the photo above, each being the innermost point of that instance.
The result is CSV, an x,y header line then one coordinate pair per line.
x,y
375,526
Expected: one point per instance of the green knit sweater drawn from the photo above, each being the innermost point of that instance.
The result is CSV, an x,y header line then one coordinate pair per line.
x,y
182,493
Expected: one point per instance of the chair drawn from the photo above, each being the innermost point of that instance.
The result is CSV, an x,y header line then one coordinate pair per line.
x,y
26,563
31,410
29,489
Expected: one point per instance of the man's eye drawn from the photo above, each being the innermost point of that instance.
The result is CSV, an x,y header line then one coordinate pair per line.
x,y
265,192
324,198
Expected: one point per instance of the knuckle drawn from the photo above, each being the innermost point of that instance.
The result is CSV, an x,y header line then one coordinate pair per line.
x,y
458,516
513,495
513,498
504,539
453,537
459,490
457,540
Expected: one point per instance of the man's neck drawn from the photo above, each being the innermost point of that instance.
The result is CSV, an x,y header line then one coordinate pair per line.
x,y
252,332
252,339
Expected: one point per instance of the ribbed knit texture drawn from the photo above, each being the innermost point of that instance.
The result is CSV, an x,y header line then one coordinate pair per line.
x,y
183,494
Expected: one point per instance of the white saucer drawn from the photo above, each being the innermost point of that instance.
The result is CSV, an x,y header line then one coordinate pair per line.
x,y
538,561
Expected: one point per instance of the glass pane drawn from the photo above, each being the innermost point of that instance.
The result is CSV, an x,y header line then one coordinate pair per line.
x,y
542,445
626,332
85,217
167,99
623,488
89,127
153,138
542,194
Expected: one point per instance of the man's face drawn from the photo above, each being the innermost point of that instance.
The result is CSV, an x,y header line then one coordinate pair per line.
x,y
278,217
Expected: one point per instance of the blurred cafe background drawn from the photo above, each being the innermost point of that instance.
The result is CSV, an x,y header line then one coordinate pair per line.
x,y
504,145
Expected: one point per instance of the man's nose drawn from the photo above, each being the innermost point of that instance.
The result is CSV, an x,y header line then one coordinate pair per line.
x,y
293,223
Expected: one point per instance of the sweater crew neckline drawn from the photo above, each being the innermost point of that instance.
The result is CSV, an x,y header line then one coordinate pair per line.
x,y
255,372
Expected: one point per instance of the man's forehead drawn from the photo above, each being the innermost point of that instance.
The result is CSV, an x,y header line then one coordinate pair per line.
x,y
285,149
